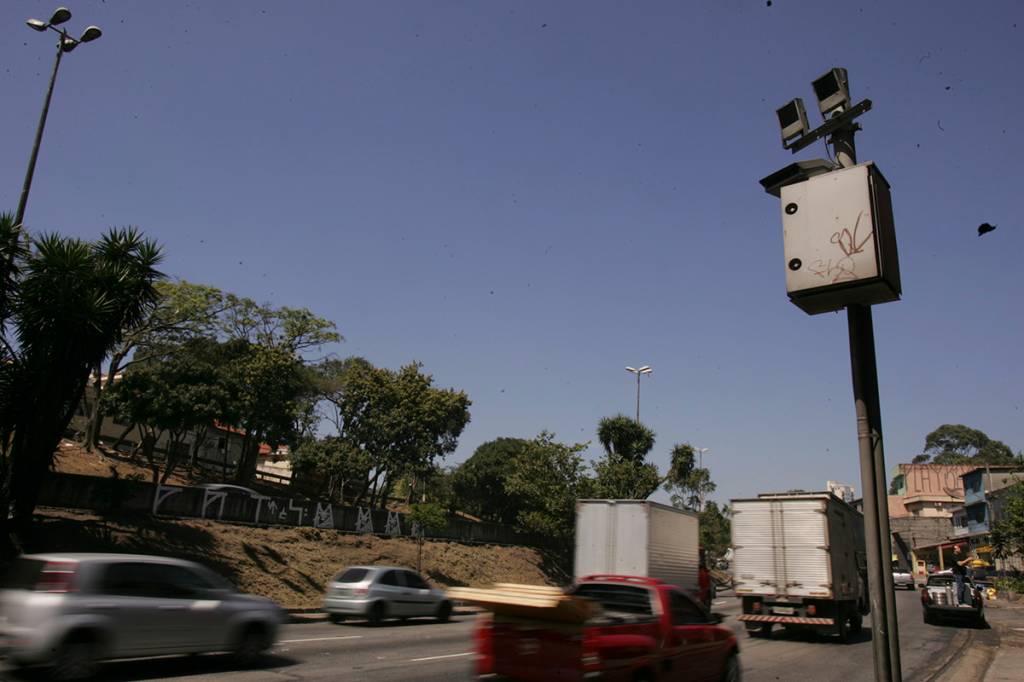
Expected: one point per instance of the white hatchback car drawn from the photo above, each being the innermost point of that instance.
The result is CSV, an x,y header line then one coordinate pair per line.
x,y
380,592
69,611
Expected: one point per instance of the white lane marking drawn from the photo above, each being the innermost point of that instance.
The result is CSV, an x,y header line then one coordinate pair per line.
x,y
434,658
318,639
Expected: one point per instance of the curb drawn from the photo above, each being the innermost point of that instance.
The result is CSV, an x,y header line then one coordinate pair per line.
x,y
316,615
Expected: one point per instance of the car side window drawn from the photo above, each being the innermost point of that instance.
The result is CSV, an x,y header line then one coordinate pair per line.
x,y
684,610
415,581
157,581
391,578
180,582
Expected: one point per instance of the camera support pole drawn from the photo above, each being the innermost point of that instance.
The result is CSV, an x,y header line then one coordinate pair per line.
x,y
885,639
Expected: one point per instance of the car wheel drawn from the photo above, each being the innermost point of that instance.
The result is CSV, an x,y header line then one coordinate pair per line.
x,y
377,613
335,618
252,644
444,612
762,630
75,659
733,672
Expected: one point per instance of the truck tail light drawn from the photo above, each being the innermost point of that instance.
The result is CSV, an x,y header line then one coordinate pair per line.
x,y
812,609
484,637
756,607
925,597
591,658
57,576
361,591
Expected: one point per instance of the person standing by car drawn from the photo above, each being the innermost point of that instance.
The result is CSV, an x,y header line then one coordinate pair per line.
x,y
959,569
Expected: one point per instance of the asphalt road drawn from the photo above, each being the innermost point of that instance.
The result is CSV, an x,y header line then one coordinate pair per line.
x,y
432,651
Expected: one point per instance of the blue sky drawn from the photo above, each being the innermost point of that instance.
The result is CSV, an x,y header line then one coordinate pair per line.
x,y
529,196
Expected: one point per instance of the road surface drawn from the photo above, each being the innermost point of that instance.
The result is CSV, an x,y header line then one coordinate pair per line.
x,y
443,652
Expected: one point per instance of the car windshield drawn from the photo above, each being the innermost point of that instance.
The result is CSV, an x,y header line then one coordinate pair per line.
x,y
941,580
351,575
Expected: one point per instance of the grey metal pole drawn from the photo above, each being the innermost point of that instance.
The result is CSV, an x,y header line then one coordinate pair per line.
x,y
27,185
884,624
638,397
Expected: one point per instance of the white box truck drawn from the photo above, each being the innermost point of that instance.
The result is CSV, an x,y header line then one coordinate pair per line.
x,y
799,562
637,537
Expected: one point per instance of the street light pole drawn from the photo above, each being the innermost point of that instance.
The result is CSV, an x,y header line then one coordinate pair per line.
x,y
27,185
639,371
65,43
700,465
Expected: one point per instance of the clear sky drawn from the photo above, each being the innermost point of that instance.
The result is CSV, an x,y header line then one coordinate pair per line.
x,y
529,196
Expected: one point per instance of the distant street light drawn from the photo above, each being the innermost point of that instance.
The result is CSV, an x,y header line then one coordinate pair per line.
x,y
700,465
64,44
646,369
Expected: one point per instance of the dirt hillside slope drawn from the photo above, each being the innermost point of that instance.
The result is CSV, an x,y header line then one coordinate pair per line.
x,y
290,565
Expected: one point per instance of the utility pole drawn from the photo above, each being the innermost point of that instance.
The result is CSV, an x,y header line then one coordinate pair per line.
x,y
864,370
840,252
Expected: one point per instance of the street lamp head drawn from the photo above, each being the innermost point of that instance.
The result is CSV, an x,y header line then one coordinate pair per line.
x,y
68,44
833,92
37,25
90,34
646,369
792,120
60,15
631,369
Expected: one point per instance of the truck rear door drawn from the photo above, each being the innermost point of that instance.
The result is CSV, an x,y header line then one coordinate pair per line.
x,y
781,547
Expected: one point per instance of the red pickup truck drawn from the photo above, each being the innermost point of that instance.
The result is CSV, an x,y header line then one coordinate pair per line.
x,y
644,630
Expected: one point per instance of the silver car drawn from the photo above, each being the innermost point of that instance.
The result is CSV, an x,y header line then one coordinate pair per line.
x,y
380,592
70,611
902,578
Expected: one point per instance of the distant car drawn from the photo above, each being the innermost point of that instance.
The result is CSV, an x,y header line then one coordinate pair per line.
x,y
902,578
229,488
381,592
939,601
71,611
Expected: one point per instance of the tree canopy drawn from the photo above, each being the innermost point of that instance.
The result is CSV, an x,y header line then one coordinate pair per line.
x,y
959,444
66,302
397,420
1008,530
480,483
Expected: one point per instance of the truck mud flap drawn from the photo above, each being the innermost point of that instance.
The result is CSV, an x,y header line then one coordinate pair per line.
x,y
750,618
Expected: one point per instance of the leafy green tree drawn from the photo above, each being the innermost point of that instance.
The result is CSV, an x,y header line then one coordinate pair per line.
x,y
548,477
623,472
67,303
625,480
398,419
335,469
294,330
480,483
183,311
687,483
715,531
429,519
625,439
959,444
1008,531
272,390
178,391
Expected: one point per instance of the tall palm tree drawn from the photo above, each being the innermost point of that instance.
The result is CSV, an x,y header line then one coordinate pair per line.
x,y
70,302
